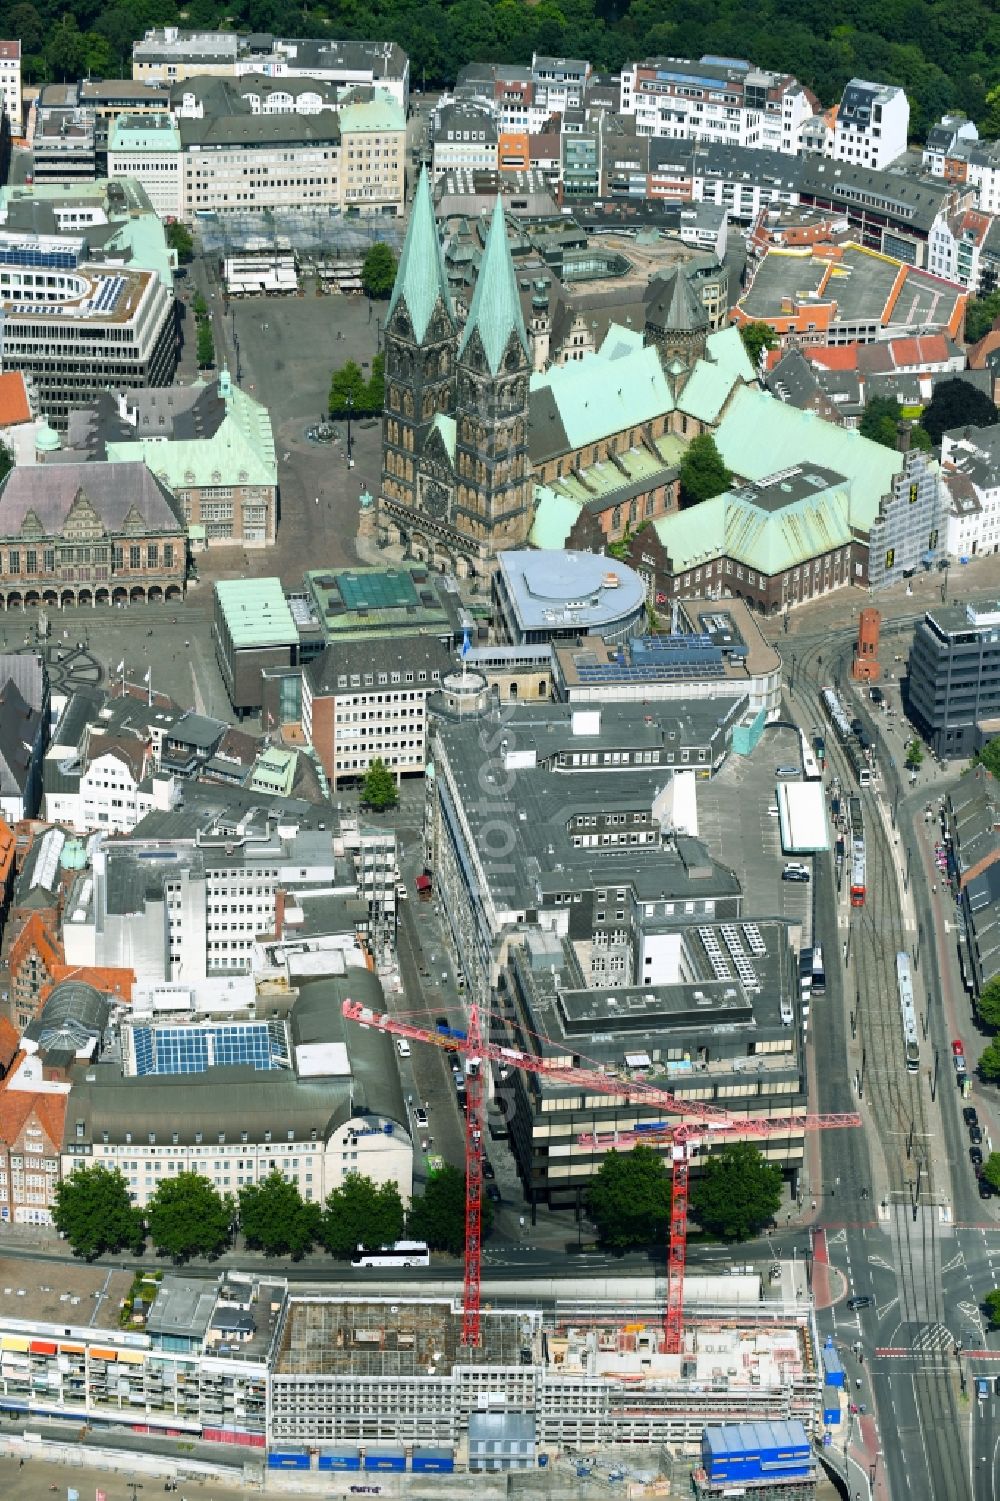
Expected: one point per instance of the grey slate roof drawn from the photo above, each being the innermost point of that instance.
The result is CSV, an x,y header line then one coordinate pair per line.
x,y
383,654
114,490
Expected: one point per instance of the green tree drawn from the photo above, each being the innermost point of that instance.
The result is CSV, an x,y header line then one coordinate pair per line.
x,y
988,1003
629,1198
981,312
66,49
756,338
991,1170
180,238
206,345
991,1303
93,1210
738,1193
989,756
914,755
199,306
25,22
378,271
375,394
275,1219
702,473
348,391
188,1217
880,420
379,790
989,1062
361,1213
956,403
438,1215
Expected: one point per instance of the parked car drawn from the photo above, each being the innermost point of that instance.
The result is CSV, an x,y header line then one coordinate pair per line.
x,y
976,1156
985,1191
420,1117
488,1168
976,1134
970,1116
492,1192
795,873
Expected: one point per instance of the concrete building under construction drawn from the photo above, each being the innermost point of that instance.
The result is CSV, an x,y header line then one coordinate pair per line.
x,y
578,1364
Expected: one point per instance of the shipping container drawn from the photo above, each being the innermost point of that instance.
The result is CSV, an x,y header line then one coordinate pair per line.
x,y
343,1457
288,1459
427,1460
386,1457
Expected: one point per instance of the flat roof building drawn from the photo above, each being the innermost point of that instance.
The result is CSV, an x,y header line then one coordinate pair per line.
x,y
253,630
553,596
953,677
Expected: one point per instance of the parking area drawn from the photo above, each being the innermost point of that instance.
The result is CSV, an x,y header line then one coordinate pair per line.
x,y
736,825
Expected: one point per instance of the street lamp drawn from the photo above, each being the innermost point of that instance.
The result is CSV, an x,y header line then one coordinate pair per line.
x,y
350,408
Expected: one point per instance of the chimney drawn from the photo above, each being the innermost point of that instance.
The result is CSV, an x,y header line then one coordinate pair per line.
x,y
903,437
279,913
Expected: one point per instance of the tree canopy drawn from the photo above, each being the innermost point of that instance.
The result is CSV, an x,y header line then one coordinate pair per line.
x,y
361,1213
991,1170
988,1003
991,1303
629,1198
438,1214
378,270
989,756
350,392
880,420
379,790
93,1210
275,1219
946,57
914,755
702,473
989,1061
738,1193
187,1216
956,403
756,338
180,238
982,312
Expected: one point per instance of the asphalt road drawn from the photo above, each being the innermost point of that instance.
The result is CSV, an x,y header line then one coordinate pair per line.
x,y
925,1272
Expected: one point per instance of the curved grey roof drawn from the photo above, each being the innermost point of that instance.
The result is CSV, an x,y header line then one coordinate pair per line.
x,y
317,1017
72,1015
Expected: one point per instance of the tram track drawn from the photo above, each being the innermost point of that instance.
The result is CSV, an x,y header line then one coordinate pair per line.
x,y
899,1111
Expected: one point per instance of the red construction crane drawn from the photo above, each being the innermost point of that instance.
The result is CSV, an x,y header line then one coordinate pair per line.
x,y
710,1120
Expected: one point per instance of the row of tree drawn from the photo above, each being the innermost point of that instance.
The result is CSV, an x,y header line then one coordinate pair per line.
x,y
187,1216
737,1194
946,56
203,324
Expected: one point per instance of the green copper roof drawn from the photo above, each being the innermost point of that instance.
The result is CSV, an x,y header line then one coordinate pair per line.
x,y
768,541
496,308
554,518
421,279
759,435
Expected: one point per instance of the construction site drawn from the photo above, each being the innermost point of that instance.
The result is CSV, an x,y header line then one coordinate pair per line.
x,y
578,1373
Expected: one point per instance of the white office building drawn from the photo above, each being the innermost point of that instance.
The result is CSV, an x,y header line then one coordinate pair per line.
x,y
871,126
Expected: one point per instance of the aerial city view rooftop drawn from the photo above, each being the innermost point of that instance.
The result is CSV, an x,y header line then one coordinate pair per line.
x,y
500,752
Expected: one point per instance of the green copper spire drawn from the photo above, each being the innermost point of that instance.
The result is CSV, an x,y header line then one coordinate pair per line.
x,y
496,308
421,279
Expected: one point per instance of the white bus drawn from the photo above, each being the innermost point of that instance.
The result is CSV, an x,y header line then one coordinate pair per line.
x,y
402,1253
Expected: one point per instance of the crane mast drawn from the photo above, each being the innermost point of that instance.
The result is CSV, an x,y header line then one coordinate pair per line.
x,y
709,1121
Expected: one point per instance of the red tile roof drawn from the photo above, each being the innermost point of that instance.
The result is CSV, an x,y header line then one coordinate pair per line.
x,y
9,1040
14,404
10,49
18,1105
833,356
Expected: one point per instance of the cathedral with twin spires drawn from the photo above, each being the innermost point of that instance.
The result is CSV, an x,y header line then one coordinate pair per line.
x,y
456,484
